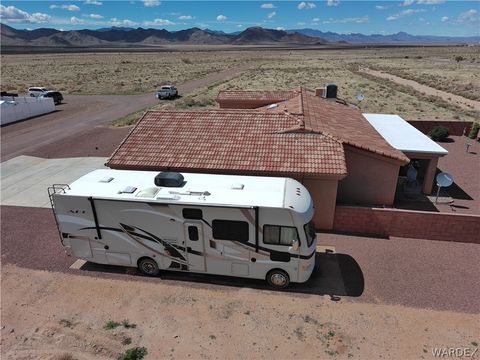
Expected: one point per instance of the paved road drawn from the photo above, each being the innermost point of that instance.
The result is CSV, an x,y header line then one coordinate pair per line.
x,y
81,113
411,272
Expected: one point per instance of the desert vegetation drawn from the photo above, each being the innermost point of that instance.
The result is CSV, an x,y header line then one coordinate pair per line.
x,y
133,73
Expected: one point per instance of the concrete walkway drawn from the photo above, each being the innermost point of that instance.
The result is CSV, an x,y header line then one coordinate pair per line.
x,y
25,179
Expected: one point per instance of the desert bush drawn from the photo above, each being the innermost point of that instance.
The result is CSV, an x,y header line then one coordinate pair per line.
x,y
126,324
474,130
459,58
136,353
439,133
111,325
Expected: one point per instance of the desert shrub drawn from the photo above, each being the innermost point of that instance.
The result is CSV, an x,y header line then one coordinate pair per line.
x,y
439,133
136,353
126,324
111,325
186,61
459,58
474,130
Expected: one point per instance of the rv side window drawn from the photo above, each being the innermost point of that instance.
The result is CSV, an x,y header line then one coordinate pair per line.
x,y
194,214
279,235
230,230
193,233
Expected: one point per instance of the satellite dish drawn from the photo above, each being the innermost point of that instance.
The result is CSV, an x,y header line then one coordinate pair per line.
x,y
444,179
360,97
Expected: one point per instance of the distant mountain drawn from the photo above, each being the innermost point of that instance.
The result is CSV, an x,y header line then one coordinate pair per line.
x,y
261,36
398,38
118,36
125,36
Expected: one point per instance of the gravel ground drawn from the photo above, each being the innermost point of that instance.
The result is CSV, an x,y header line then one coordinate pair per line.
x,y
411,272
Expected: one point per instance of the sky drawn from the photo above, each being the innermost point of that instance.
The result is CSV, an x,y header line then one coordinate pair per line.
x,y
418,17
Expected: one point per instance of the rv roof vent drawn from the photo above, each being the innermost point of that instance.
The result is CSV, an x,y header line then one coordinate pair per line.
x,y
106,179
237,186
273,106
128,190
169,179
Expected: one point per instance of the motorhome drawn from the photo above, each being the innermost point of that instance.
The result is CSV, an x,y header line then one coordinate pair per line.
x,y
241,226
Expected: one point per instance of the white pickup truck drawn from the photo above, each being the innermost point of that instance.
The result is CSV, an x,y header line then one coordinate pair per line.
x,y
166,92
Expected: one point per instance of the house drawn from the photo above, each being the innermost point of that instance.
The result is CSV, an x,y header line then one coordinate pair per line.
x,y
328,145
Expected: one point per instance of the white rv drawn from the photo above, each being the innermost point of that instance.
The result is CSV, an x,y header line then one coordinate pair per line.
x,y
244,226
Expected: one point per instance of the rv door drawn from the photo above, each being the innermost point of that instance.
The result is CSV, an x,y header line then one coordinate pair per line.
x,y
195,246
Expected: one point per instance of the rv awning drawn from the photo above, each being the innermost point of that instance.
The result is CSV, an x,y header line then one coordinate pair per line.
x,y
403,136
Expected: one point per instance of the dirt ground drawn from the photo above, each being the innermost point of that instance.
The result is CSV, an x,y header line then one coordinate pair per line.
x,y
48,315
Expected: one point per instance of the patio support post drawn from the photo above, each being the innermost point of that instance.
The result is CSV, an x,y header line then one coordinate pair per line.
x,y
429,176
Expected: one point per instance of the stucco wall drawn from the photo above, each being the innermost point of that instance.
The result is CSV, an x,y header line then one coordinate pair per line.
x,y
324,195
370,180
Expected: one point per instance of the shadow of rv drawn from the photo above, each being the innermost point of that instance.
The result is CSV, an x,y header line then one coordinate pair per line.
x,y
334,275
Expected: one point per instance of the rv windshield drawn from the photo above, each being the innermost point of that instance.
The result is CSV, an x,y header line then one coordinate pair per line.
x,y
310,232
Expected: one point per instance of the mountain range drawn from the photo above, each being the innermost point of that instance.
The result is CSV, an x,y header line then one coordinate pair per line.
x,y
124,36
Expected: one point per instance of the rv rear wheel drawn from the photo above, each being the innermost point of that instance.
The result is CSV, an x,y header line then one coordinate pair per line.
x,y
148,267
278,279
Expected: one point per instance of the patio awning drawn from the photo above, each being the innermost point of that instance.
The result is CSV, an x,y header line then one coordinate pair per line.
x,y
403,136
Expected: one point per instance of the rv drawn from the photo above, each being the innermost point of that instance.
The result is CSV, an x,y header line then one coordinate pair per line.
x,y
242,226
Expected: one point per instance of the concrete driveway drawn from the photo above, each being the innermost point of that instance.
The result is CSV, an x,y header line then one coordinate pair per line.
x,y
25,179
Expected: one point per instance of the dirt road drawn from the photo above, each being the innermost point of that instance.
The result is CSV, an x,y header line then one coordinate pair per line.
x,y
80,114
460,101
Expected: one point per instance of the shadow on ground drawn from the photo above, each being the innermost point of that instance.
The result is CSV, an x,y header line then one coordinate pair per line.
x,y
334,275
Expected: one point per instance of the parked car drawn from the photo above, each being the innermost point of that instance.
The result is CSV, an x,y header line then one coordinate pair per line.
x,y
56,95
166,92
36,91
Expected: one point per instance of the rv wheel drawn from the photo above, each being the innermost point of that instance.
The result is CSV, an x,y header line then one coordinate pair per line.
x,y
278,279
148,267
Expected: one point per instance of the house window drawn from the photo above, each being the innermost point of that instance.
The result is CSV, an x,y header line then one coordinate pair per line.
x,y
194,214
230,230
279,235
193,233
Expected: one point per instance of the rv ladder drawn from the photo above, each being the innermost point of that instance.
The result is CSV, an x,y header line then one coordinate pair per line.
x,y
52,190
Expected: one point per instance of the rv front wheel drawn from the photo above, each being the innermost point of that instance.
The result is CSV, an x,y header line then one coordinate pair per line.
x,y
278,279
148,267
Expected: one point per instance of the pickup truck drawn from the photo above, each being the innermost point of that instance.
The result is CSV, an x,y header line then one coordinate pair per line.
x,y
166,92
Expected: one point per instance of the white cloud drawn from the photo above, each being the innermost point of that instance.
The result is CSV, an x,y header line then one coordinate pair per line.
x,y
268,6
357,20
151,3
316,19
280,28
300,23
76,21
239,25
271,15
381,7
93,2
159,22
469,17
306,5
444,18
95,16
404,13
11,14
122,22
408,2
65,7
186,17
430,2
221,18
333,2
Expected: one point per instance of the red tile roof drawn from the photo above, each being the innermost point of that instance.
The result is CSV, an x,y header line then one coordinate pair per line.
x,y
272,96
227,141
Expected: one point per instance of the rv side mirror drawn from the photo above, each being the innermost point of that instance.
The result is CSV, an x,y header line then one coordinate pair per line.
x,y
295,245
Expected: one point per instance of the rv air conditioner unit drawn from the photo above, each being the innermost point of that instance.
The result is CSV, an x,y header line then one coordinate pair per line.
x,y
169,179
330,91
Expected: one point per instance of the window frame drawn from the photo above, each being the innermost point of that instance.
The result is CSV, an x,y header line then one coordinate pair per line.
x,y
280,234
196,232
